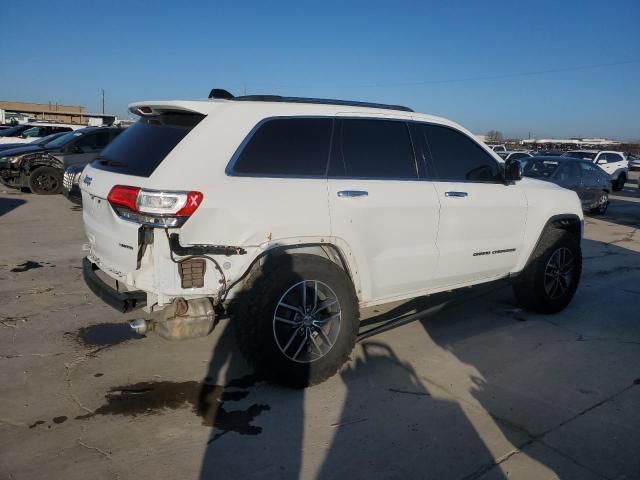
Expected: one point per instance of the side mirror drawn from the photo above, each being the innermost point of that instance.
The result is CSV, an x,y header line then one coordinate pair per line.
x,y
602,161
512,171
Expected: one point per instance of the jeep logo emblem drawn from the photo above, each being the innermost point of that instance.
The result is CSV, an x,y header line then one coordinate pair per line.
x,y
87,180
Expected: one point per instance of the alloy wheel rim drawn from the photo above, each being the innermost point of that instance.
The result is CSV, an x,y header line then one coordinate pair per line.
x,y
306,321
559,272
47,182
604,200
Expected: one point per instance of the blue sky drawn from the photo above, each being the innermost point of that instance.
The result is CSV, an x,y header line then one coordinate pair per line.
x,y
475,62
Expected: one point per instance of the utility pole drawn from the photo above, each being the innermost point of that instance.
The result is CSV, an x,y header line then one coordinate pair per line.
x,y
103,100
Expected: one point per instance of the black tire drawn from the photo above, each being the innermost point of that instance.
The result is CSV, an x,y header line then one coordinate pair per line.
x,y
253,315
25,189
530,288
619,183
601,205
45,181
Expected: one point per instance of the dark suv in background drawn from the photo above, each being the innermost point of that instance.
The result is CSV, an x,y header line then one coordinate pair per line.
x,y
41,171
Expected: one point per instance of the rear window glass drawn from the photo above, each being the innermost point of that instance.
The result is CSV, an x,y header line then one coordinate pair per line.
x,y
143,146
287,146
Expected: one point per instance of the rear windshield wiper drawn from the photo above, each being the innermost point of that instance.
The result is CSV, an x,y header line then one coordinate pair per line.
x,y
111,163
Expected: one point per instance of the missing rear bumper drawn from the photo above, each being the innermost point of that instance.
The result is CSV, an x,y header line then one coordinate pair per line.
x,y
122,301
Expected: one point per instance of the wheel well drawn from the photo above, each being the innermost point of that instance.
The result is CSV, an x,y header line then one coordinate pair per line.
x,y
569,223
324,250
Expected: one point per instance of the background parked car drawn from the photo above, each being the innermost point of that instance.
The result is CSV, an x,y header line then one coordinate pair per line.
x,y
13,131
634,162
32,131
548,153
591,183
514,154
614,163
71,183
39,142
498,148
41,171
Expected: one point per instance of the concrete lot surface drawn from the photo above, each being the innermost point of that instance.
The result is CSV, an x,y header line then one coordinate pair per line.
x,y
478,389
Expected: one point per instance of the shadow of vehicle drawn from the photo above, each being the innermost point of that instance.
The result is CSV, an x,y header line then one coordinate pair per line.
x,y
535,374
407,414
227,362
9,204
395,426
389,424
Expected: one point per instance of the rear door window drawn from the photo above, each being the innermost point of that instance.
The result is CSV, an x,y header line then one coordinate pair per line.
x,y
58,129
93,142
589,171
282,147
374,149
569,172
457,158
612,157
144,145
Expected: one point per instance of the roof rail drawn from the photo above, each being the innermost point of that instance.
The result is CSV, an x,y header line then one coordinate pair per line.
x,y
224,94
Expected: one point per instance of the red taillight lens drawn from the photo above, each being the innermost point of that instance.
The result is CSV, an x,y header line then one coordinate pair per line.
x,y
153,207
124,196
194,199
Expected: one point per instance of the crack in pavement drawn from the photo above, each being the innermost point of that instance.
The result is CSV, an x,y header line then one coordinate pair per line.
x,y
532,438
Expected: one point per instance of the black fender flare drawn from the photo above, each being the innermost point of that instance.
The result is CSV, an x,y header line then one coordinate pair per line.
x,y
281,250
567,221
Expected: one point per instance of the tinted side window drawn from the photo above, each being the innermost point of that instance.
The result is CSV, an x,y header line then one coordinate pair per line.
x,y
102,140
287,146
568,172
613,157
589,171
516,156
458,158
376,149
94,142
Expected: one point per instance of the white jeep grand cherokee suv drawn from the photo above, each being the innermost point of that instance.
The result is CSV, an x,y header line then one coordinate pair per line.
x,y
290,214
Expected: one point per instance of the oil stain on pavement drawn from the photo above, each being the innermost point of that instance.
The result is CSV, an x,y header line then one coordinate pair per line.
x,y
105,335
28,265
206,400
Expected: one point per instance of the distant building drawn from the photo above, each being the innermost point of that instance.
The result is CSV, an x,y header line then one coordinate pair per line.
x,y
569,142
22,112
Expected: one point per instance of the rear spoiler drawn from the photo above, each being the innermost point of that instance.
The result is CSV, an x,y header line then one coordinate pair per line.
x,y
146,109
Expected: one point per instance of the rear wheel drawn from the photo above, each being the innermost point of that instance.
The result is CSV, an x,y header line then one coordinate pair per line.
x,y
601,204
620,181
550,280
297,320
45,181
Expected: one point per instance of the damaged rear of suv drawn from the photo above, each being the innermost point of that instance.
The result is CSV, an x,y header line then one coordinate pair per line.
x,y
290,214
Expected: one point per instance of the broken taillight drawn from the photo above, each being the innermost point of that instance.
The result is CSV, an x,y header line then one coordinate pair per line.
x,y
153,207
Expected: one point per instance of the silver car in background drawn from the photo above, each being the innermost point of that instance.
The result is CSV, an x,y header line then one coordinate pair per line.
x,y
591,183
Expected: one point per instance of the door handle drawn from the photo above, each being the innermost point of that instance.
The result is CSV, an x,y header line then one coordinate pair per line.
x,y
352,193
455,194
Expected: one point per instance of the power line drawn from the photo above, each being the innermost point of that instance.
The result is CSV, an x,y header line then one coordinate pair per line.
x,y
461,79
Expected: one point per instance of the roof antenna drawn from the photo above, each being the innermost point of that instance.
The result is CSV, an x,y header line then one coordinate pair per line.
x,y
220,93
